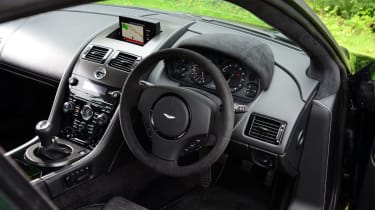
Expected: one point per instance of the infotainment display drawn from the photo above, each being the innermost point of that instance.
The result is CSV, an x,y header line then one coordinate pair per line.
x,y
94,89
138,31
133,33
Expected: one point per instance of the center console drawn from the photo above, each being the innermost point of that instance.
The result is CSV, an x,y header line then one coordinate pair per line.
x,y
87,110
89,94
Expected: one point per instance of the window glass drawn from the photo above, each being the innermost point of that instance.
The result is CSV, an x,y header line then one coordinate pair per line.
x,y
352,24
219,9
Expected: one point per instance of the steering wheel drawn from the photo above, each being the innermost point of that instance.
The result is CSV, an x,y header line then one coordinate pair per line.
x,y
178,120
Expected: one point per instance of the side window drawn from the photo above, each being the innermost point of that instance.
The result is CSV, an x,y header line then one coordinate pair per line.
x,y
352,24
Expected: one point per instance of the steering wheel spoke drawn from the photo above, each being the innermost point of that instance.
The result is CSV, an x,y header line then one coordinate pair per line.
x,y
166,149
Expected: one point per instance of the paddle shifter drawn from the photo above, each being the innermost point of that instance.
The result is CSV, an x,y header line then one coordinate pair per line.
x,y
49,149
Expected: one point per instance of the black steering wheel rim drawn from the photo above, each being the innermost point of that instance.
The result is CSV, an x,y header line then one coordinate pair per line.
x,y
131,94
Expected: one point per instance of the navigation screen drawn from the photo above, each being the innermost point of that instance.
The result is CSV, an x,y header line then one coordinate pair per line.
x,y
138,31
133,33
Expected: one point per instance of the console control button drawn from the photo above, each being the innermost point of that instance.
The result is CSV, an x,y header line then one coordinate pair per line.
x,y
102,119
82,127
100,73
68,132
68,107
87,112
114,94
77,176
73,81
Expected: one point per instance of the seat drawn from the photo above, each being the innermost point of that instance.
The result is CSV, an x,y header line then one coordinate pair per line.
x,y
16,191
116,203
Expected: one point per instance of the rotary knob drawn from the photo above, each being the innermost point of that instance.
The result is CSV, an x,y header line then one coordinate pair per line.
x,y
87,112
115,94
102,119
73,81
68,107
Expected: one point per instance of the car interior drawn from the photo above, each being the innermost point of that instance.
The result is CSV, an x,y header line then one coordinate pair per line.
x,y
109,107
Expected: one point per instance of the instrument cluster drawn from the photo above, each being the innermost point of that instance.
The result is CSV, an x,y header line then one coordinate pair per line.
x,y
243,82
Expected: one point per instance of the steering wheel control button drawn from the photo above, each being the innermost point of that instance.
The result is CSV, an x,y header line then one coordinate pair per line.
x,y
148,129
194,146
87,112
170,117
100,73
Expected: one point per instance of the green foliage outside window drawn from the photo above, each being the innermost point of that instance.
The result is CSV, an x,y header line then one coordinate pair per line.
x,y
351,22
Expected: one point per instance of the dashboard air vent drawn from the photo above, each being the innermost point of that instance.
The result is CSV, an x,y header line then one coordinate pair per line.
x,y
97,54
266,129
124,62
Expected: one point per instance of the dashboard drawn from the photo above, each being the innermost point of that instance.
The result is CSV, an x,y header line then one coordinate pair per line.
x,y
272,89
243,82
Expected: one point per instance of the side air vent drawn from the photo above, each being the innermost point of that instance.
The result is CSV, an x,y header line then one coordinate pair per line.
x,y
97,54
124,62
265,129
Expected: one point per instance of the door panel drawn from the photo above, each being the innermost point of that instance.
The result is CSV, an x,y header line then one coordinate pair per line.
x,y
363,123
367,192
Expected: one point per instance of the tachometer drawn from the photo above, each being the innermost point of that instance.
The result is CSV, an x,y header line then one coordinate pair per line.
x,y
198,76
235,76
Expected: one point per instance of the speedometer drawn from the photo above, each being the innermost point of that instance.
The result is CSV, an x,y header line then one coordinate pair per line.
x,y
235,76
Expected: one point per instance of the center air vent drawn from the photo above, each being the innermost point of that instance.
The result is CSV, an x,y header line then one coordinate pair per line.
x,y
97,54
265,129
124,62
